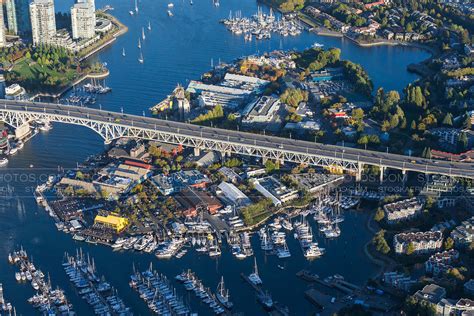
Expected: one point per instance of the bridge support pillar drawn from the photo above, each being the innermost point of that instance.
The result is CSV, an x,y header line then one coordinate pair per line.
x,y
382,173
404,176
197,151
360,167
22,131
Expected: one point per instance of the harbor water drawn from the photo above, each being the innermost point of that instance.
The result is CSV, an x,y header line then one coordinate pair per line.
x,y
176,50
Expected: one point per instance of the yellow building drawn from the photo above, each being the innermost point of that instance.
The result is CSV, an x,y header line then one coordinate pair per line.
x,y
112,221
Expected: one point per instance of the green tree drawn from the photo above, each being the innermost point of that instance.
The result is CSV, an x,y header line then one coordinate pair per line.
x,y
358,114
448,119
462,141
379,215
467,122
79,175
449,243
271,166
380,243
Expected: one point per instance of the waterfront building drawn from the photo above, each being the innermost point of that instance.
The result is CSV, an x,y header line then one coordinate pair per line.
x,y
431,293
441,262
463,235
441,189
450,307
43,21
194,202
316,182
262,110
422,242
120,178
130,149
399,280
233,194
62,38
18,16
102,25
180,103
112,221
15,92
177,181
403,210
274,190
83,20
244,82
212,95
230,174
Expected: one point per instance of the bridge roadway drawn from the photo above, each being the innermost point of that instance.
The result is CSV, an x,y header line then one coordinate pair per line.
x,y
353,156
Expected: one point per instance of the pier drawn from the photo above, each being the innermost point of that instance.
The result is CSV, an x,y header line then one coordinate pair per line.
x,y
328,303
275,309
347,293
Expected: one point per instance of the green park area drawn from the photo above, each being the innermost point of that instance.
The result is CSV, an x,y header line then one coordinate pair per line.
x,y
48,69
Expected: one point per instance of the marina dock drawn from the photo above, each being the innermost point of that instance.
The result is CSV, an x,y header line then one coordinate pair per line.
x,y
328,303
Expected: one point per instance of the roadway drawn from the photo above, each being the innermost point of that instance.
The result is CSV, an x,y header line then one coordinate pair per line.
x,y
354,155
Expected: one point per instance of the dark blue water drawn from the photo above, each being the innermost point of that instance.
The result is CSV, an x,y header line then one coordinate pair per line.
x,y
178,49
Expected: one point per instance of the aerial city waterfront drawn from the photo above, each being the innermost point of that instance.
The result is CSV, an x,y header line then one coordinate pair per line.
x,y
236,157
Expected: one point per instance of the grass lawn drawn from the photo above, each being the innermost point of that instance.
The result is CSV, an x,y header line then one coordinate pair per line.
x,y
26,68
29,75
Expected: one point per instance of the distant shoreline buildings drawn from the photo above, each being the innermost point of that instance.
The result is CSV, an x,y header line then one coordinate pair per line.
x,y
37,20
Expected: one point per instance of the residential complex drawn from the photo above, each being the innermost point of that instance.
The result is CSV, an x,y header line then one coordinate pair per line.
x,y
399,280
422,242
3,40
43,21
18,16
83,19
463,235
403,210
441,262
435,296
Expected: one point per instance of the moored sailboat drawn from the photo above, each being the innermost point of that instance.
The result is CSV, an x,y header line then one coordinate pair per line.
x,y
223,295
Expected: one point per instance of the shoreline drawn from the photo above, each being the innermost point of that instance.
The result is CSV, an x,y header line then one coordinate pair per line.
x,y
121,29
383,262
71,85
321,31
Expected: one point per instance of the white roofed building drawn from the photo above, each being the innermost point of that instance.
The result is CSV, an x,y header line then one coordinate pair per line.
x,y
233,194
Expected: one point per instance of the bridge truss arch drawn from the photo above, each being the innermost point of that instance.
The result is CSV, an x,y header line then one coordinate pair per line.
x,y
112,130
